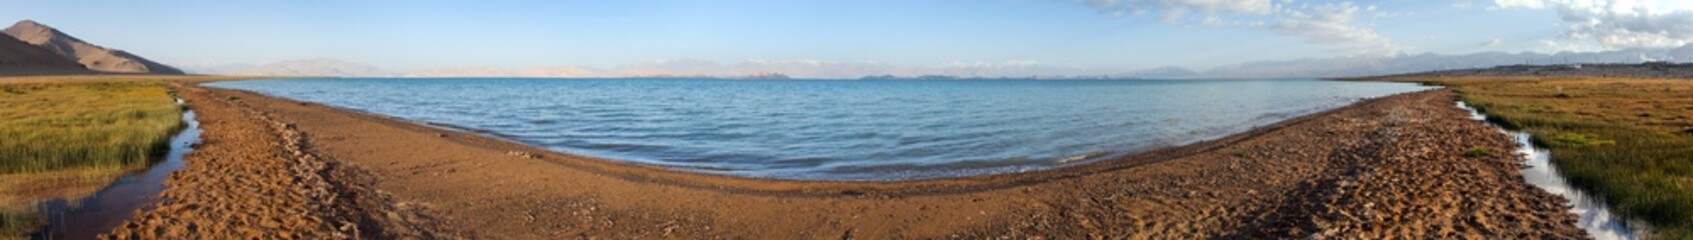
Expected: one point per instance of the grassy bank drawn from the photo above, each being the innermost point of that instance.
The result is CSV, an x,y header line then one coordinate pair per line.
x,y
1629,141
21,192
67,139
17,223
49,126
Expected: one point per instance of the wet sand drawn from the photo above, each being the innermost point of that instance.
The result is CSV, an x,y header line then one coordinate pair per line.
x,y
1395,166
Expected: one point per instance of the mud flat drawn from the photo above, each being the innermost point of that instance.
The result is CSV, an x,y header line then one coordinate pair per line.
x,y
1410,165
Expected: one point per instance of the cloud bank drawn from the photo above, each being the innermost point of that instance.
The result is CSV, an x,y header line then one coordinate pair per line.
x,y
1618,24
1179,8
1333,25
1336,24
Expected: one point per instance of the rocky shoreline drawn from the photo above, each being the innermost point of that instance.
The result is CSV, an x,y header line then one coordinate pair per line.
x,y
1411,165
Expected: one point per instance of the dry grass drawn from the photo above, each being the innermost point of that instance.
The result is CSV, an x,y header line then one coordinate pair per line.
x,y
24,188
1630,141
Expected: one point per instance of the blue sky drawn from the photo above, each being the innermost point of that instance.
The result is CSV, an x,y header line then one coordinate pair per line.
x,y
1124,34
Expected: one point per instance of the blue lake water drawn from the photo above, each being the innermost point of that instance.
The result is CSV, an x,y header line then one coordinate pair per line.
x,y
857,130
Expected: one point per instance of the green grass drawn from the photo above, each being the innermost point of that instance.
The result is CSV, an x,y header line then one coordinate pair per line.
x,y
50,126
1478,152
1624,140
68,139
18,224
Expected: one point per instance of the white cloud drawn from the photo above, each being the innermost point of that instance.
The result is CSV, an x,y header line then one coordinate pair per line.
x,y
1619,23
1492,43
1506,4
1463,4
1213,21
1335,24
1181,7
1566,46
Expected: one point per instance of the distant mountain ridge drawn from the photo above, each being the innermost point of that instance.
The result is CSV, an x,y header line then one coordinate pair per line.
x,y
311,67
92,57
1336,67
1641,70
1159,72
1382,65
676,68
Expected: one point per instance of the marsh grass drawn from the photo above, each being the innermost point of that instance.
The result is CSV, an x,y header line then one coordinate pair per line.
x,y
18,223
1625,140
66,140
21,194
50,126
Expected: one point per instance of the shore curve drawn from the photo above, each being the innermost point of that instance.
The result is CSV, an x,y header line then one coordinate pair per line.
x,y
1393,166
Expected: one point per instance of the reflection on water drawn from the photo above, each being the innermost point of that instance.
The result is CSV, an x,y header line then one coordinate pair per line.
x,y
1596,218
87,217
862,130
21,194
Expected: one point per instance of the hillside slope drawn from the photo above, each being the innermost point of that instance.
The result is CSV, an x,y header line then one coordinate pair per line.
x,y
21,58
94,57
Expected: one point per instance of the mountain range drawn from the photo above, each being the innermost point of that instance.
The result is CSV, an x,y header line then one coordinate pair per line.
x,y
29,47
1354,66
689,68
35,48
1389,65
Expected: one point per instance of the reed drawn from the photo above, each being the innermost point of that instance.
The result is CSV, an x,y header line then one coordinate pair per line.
x,y
50,126
18,223
1629,141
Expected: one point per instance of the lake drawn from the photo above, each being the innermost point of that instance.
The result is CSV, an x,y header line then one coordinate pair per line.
x,y
855,130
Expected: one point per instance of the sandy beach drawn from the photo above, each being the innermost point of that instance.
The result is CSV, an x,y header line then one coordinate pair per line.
x,y
1400,166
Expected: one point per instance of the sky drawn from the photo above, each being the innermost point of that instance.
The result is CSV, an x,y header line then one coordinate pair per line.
x,y
1111,34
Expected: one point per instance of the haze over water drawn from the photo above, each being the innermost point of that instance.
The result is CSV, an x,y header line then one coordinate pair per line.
x,y
838,130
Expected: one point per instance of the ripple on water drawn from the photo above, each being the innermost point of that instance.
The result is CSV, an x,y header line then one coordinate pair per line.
x,y
837,130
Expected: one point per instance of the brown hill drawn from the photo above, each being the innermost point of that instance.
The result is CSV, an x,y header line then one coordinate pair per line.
x,y
20,58
95,57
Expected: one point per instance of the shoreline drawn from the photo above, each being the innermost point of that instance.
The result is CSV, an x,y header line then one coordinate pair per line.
x,y
1260,183
662,174
1595,216
895,170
